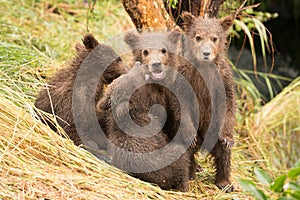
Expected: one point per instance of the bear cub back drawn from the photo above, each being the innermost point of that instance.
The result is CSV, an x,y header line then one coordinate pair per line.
x,y
57,97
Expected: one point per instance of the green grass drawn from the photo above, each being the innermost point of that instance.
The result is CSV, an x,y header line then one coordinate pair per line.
x,y
37,38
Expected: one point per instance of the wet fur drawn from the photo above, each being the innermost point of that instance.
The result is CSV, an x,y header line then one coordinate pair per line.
x,y
58,94
208,29
176,175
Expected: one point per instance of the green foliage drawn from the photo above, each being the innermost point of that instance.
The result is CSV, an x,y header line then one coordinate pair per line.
x,y
262,176
173,3
37,37
294,172
283,187
271,81
250,22
252,188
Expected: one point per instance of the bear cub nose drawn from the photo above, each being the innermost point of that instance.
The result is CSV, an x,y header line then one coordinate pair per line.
x,y
156,66
206,53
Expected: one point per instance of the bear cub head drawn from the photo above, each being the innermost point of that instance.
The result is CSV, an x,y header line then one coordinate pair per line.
x,y
155,52
207,36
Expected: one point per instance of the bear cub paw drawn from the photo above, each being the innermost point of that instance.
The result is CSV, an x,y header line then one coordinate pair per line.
x,y
225,185
228,142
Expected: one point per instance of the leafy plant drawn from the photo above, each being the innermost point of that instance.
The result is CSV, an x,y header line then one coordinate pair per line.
x,y
272,82
250,22
283,187
173,3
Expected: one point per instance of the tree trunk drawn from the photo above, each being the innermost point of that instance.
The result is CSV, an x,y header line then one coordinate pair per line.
x,y
159,14
147,14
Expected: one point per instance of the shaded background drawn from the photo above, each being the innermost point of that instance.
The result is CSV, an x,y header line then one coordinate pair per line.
x,y
285,33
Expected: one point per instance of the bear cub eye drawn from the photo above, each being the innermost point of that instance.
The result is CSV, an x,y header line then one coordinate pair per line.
x,y
214,39
163,50
198,38
145,52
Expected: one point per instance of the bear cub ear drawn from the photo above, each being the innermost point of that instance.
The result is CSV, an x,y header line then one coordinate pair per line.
x,y
188,20
226,22
89,41
173,40
174,36
132,39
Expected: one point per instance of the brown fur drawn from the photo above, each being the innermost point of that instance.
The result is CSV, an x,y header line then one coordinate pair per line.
x,y
60,87
208,39
149,50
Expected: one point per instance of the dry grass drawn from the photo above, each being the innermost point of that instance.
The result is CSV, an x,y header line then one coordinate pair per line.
x,y
37,163
275,130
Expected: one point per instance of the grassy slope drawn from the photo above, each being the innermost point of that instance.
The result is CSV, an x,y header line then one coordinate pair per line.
x,y
37,163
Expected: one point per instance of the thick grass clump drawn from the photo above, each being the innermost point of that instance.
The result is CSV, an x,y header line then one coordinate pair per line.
x,y
38,163
37,38
274,130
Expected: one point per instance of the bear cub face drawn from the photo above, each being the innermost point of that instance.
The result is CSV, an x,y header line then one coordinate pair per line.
x,y
155,52
156,60
208,36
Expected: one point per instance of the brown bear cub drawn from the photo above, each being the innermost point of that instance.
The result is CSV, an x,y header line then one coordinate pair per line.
x,y
138,142
205,42
57,97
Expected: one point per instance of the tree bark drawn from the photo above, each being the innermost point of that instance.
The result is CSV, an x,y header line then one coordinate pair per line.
x,y
159,14
147,14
